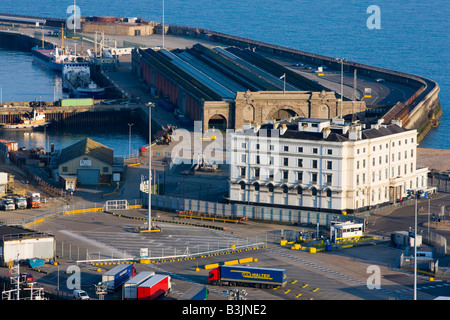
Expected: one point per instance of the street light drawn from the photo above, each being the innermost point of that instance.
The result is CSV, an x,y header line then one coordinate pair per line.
x,y
129,139
342,83
417,194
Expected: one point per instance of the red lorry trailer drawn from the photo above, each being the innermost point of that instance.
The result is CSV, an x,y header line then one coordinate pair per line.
x,y
154,287
247,276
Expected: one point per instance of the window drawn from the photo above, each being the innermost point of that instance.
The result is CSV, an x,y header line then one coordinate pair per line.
x,y
271,174
271,161
299,190
256,186
105,169
300,163
357,179
329,165
244,145
270,187
314,164
243,158
242,171
314,177
242,185
285,174
330,151
257,146
300,149
329,179
286,148
300,176
271,147
328,193
357,164
285,189
285,162
257,173
315,150
258,160
314,191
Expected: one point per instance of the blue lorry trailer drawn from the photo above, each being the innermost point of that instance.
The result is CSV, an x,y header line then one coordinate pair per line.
x,y
247,276
118,276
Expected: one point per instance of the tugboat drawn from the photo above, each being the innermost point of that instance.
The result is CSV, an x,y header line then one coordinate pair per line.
x,y
35,121
77,80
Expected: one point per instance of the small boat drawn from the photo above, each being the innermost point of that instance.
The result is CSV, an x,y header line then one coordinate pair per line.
x,y
34,121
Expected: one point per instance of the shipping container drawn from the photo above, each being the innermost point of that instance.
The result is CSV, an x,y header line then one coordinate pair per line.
x,y
243,275
130,288
154,287
118,275
76,102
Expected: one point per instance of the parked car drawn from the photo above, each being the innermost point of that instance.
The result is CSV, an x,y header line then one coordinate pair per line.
x,y
26,277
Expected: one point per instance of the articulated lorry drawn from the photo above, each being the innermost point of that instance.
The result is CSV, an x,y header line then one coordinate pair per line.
x,y
130,288
247,276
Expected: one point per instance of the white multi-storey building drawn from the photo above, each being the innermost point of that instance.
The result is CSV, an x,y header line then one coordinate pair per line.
x,y
329,165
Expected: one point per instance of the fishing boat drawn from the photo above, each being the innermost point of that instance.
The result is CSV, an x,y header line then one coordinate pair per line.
x,y
77,80
34,121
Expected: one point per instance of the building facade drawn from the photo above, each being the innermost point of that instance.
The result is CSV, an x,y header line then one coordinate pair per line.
x,y
88,161
329,165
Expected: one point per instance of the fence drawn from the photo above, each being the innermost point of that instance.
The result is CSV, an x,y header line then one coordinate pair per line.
x,y
248,211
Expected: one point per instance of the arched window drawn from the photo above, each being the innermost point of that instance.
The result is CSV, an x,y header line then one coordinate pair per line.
x,y
242,183
314,191
256,186
329,193
299,190
270,186
285,189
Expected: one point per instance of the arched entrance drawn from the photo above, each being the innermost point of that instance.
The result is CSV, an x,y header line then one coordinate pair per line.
x,y
218,121
283,114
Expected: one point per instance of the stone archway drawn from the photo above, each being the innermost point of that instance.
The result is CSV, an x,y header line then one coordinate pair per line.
x,y
283,114
218,121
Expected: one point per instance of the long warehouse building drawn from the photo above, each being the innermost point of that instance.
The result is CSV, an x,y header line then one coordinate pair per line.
x,y
225,88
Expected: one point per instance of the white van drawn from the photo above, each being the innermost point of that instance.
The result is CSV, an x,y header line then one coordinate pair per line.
x,y
80,295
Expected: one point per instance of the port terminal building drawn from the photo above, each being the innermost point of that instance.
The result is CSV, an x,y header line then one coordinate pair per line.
x,y
332,165
228,87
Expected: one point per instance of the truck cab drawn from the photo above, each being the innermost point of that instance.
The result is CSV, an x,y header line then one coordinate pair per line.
x,y
21,203
214,276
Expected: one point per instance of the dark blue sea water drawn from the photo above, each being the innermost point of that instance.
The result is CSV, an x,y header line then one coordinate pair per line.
x,y
414,35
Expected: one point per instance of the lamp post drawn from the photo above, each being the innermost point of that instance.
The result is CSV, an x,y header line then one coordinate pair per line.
x,y
129,139
416,194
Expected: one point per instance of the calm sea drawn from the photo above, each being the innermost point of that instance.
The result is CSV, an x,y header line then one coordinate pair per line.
x,y
414,35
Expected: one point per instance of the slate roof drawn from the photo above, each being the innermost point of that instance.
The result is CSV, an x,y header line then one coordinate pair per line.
x,y
335,134
88,147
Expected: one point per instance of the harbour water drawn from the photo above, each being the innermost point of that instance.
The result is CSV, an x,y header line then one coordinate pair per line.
x,y
413,37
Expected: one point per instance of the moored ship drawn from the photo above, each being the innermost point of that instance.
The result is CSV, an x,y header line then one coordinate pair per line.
x,y
54,59
77,80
